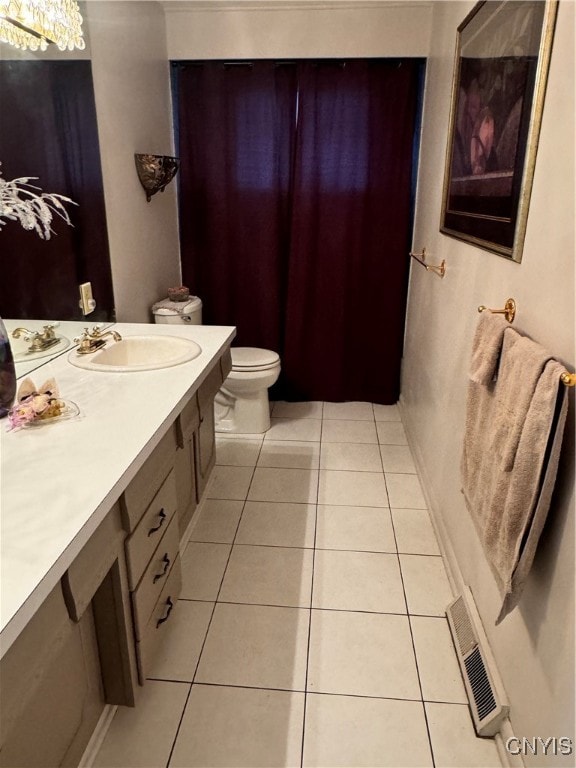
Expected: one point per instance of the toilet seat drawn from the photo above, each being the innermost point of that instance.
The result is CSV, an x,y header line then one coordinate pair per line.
x,y
253,359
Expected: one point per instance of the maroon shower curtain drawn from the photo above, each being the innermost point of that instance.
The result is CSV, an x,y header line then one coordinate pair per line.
x,y
350,233
236,133
295,214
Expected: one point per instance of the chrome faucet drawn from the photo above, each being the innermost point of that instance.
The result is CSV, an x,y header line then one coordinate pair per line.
x,y
40,340
92,340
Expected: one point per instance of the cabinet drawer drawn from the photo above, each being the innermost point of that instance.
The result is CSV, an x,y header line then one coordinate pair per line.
x,y
141,544
156,627
143,487
188,421
146,594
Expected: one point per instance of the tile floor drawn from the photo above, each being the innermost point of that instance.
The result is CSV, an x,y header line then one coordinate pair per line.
x,y
310,629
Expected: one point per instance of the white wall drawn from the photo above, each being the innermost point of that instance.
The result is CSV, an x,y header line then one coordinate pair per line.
x,y
534,646
284,28
132,90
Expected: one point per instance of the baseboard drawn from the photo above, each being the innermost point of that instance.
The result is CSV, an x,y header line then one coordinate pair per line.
x,y
446,550
93,746
453,571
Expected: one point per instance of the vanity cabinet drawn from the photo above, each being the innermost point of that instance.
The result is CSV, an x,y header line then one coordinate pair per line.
x,y
52,695
204,438
187,425
196,453
92,641
149,507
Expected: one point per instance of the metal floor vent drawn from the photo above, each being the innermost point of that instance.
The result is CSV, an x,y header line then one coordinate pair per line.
x,y
485,691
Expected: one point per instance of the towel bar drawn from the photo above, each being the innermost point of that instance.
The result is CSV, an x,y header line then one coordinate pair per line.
x,y
509,310
438,269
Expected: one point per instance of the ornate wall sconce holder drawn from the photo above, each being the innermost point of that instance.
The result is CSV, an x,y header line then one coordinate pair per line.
x,y
155,172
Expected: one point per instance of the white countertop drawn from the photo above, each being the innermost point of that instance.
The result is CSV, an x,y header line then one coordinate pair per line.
x,y
59,481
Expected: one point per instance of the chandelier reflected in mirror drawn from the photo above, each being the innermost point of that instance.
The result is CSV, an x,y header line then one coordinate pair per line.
x,y
33,24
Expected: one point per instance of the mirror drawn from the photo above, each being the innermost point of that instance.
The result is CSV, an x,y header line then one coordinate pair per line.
x,y
29,356
49,131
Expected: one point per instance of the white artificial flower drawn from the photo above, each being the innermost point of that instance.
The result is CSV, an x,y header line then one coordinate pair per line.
x,y
34,209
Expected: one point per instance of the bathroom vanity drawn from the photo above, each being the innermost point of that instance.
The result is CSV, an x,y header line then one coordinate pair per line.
x,y
93,512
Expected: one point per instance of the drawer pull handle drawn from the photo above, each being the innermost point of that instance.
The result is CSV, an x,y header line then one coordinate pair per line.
x,y
170,605
166,561
162,516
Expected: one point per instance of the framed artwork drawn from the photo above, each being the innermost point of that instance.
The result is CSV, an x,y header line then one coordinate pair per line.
x,y
502,57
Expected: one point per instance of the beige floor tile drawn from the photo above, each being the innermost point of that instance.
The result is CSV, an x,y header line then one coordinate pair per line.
x,y
294,429
345,731
414,532
307,410
391,433
178,655
426,584
363,654
296,454
277,524
296,485
360,457
203,567
367,529
256,646
268,576
240,727
397,458
142,736
440,674
240,453
217,521
354,411
386,412
454,740
229,482
404,491
348,431
358,581
362,489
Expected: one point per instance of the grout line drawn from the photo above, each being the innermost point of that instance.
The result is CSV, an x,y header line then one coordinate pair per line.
x,y
209,624
310,613
413,647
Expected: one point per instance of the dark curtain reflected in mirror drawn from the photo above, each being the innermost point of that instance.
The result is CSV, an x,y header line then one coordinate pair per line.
x,y
48,130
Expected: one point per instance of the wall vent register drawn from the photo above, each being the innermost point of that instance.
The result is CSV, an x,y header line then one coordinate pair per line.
x,y
488,702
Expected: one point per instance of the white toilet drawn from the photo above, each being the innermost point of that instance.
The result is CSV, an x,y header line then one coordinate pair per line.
x,y
241,406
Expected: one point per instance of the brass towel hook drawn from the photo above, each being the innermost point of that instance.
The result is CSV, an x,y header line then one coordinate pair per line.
x,y
438,269
509,310
568,378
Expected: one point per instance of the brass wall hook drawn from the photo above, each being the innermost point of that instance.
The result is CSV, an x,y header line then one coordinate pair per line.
x,y
438,269
509,310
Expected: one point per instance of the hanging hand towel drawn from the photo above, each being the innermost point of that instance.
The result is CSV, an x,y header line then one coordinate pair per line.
x,y
508,504
518,375
486,347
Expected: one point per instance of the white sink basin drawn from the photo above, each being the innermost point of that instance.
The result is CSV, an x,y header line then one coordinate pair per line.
x,y
138,353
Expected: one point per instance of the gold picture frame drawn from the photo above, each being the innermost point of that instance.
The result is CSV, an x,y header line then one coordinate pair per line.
x,y
501,66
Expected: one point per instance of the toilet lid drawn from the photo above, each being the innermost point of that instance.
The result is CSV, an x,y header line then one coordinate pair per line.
x,y
253,359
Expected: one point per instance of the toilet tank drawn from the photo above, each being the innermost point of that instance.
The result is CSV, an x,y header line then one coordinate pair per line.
x,y
188,312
